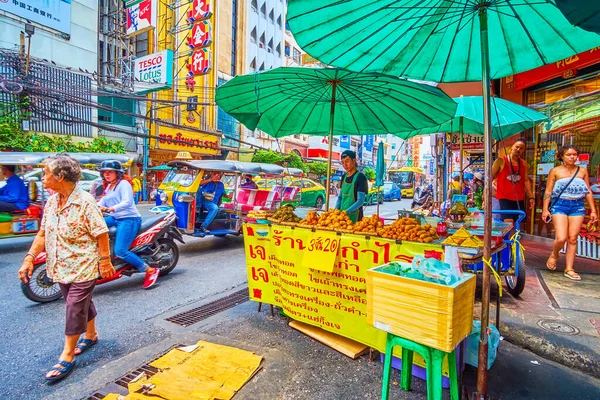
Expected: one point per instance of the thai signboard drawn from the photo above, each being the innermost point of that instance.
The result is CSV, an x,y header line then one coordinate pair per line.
x,y
470,142
55,14
155,69
141,16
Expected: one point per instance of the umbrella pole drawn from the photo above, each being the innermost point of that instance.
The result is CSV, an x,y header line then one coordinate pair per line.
x,y
333,83
461,151
482,372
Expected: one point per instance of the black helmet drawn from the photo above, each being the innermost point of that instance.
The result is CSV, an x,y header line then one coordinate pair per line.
x,y
111,165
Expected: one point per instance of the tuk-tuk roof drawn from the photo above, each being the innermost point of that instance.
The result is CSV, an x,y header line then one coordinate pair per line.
x,y
27,158
294,172
230,166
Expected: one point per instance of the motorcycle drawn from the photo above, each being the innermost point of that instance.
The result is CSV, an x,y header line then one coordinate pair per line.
x,y
423,197
155,244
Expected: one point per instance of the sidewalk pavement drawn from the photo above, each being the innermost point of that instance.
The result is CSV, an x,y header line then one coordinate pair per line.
x,y
556,318
298,367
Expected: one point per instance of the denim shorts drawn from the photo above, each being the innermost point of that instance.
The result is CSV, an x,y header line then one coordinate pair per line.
x,y
570,208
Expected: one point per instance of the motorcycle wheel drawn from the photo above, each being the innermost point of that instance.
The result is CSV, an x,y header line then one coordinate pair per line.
x,y
168,247
40,288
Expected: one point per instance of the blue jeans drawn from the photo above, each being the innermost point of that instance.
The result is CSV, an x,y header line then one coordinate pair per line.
x,y
127,229
212,209
570,208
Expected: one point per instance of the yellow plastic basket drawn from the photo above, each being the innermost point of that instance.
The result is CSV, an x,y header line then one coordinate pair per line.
x,y
434,315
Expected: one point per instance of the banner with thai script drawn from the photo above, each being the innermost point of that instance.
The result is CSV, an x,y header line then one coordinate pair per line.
x,y
335,299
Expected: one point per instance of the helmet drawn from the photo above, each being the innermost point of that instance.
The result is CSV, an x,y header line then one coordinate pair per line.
x,y
111,165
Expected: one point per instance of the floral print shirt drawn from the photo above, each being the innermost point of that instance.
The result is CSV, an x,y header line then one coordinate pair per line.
x,y
71,237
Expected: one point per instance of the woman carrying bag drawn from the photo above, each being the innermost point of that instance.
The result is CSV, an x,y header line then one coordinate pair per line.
x,y
568,185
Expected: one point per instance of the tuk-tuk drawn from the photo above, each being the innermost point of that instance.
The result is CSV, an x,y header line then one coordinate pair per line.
x,y
27,222
181,190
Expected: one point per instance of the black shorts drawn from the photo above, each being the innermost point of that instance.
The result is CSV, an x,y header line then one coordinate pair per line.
x,y
506,204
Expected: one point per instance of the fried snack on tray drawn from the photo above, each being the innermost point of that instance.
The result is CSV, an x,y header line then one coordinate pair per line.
x,y
408,229
368,226
285,214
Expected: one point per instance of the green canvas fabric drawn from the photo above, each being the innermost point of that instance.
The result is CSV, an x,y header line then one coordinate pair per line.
x,y
287,101
582,13
508,119
435,40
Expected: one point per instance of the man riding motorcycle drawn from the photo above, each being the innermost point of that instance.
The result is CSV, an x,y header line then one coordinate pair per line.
x,y
119,202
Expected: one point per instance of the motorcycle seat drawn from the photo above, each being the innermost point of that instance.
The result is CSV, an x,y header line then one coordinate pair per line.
x,y
147,223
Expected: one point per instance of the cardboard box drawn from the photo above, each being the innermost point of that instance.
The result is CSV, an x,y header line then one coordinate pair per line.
x,y
431,314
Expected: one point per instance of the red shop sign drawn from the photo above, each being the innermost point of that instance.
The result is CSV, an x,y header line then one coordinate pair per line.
x,y
566,68
201,35
200,9
200,62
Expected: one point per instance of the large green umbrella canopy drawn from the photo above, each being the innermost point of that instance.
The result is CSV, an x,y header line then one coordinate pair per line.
x,y
436,40
582,13
442,41
508,118
332,101
287,101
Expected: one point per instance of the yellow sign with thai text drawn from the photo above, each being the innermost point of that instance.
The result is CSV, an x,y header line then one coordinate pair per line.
x,y
289,267
177,139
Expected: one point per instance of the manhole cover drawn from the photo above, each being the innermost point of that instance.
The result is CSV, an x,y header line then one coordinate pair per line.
x,y
558,327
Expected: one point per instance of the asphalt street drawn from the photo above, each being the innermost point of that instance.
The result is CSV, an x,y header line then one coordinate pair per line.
x,y
32,334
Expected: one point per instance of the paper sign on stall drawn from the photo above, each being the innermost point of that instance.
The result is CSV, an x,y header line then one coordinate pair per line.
x,y
322,247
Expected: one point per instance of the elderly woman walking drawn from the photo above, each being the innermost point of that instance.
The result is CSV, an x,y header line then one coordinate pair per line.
x,y
75,238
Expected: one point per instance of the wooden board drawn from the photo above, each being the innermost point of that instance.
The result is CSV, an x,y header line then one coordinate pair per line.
x,y
347,347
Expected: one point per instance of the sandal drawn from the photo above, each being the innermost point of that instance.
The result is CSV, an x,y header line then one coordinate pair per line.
x,y
572,275
65,369
549,265
84,344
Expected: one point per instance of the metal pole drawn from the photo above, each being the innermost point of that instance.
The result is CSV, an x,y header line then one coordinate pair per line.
x,y
460,138
333,83
482,372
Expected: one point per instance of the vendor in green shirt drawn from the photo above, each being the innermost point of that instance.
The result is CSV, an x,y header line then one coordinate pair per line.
x,y
354,188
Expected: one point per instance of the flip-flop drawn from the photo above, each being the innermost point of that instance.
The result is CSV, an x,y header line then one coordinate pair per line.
x,y
85,344
550,266
572,275
65,370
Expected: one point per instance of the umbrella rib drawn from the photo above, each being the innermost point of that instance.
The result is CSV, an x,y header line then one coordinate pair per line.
x,y
392,43
350,110
451,44
540,55
373,112
296,105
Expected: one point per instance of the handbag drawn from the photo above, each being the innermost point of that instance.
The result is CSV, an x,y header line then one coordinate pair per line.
x,y
208,196
554,200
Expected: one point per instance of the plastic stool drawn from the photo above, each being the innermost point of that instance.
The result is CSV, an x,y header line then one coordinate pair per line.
x,y
433,360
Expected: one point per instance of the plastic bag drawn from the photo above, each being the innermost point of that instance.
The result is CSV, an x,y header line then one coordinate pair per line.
x,y
472,356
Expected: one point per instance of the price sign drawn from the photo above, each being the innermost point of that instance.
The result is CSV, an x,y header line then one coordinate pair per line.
x,y
321,250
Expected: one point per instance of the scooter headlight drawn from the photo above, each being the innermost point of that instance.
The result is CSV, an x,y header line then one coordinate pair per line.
x,y
163,197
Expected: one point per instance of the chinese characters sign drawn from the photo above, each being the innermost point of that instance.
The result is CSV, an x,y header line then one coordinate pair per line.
x,y
200,62
55,14
200,9
201,35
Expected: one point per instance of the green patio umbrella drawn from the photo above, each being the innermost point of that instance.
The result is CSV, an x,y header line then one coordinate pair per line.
x,y
441,41
508,118
582,13
331,101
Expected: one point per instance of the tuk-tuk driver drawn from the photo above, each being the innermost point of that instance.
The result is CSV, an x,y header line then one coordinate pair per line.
x,y
212,189
354,188
13,195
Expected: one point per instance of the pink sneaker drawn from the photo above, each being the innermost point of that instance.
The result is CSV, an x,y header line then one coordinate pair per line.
x,y
151,278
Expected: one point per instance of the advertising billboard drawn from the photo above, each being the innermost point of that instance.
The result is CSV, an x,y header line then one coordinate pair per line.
x,y
157,69
141,16
54,14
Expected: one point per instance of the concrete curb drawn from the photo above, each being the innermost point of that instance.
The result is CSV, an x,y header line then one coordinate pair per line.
x,y
535,342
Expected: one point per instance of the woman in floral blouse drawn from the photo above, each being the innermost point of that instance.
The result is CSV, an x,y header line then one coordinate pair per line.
x,y
75,238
